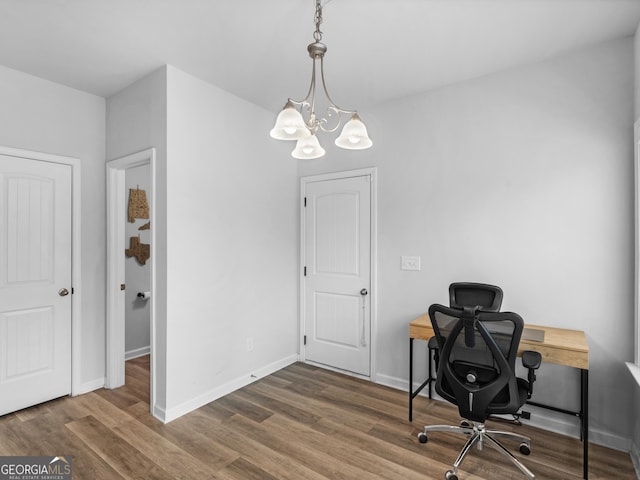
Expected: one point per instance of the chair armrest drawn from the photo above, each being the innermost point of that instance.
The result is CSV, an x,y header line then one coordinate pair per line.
x,y
531,360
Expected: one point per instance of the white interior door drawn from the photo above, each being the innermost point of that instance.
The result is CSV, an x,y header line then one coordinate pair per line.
x,y
35,282
338,273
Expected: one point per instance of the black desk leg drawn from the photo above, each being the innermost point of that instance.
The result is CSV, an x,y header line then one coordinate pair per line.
x,y
410,379
584,417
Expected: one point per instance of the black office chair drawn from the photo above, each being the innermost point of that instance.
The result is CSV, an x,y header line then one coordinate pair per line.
x,y
477,373
466,294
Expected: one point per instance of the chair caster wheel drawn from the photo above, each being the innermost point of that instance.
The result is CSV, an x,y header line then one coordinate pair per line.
x,y
422,438
525,449
450,475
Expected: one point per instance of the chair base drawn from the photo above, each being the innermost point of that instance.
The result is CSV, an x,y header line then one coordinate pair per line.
x,y
479,435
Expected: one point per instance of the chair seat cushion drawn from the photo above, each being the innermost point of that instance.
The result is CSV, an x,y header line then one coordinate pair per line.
x,y
500,404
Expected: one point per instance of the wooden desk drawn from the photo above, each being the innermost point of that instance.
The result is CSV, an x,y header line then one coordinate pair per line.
x,y
560,346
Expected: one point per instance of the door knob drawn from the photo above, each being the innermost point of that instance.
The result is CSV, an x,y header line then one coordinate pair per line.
x,y
63,292
363,292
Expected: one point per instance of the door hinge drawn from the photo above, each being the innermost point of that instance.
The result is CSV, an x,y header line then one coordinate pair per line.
x,y
305,271
305,201
305,340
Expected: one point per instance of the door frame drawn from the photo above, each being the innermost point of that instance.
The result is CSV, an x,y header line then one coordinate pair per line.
x,y
76,290
304,181
116,218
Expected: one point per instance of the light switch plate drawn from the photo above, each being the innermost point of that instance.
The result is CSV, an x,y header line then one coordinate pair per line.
x,y
409,263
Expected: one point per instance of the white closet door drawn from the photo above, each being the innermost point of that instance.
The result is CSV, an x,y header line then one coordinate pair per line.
x,y
35,282
338,273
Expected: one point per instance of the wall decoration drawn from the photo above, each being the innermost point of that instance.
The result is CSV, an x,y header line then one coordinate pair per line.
x,y
142,251
146,226
138,206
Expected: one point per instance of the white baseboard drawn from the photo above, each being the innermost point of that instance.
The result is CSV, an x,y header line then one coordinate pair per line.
x,y
570,426
172,413
540,418
635,372
634,451
337,370
90,386
394,382
137,352
635,457
159,413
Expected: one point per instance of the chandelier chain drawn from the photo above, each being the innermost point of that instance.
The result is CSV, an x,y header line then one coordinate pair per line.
x,y
317,35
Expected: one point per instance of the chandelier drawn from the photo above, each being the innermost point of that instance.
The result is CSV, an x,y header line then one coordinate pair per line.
x,y
291,125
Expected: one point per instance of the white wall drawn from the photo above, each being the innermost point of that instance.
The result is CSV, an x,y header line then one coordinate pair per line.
x,y
226,235
43,116
635,438
137,120
231,263
137,276
521,179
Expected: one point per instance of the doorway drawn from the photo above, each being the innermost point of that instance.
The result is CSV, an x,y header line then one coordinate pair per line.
x,y
40,266
338,275
137,303
117,217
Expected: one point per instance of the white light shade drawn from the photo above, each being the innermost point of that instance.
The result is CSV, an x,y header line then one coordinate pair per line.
x,y
289,125
308,148
354,135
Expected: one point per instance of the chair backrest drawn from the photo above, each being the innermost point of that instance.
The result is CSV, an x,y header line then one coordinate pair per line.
x,y
478,349
469,294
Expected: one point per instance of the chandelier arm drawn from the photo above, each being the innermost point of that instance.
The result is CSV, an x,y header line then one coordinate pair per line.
x,y
311,93
332,104
312,123
323,121
309,106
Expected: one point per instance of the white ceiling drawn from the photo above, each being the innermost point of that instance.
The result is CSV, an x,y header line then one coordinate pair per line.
x,y
378,50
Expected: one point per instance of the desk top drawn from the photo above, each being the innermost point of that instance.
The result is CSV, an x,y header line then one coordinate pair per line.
x,y
560,346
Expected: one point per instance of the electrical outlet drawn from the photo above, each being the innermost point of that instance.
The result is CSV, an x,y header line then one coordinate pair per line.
x,y
410,263
249,344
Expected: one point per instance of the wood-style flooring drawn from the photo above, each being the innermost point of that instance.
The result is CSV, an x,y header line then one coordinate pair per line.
x,y
301,422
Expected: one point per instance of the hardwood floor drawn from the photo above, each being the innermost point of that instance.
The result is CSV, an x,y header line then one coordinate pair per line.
x,y
301,422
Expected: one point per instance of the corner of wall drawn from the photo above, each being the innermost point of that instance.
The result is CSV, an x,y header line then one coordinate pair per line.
x,y
636,79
